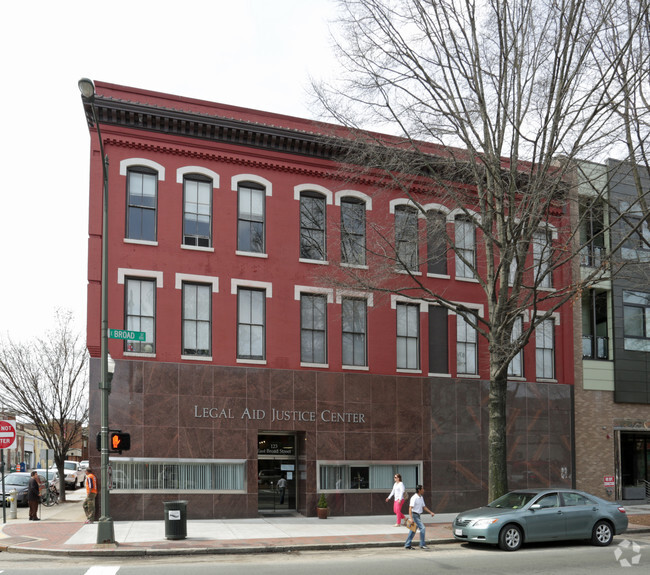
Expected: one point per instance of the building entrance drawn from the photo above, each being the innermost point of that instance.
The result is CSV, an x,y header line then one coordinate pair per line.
x,y
276,473
635,465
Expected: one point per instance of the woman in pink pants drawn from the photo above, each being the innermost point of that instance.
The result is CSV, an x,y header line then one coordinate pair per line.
x,y
398,494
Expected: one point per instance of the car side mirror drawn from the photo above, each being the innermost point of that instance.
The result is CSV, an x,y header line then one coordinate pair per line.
x,y
535,506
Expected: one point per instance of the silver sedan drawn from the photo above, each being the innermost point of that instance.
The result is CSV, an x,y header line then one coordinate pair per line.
x,y
530,515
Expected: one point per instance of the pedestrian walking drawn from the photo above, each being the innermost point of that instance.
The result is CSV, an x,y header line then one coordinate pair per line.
x,y
91,494
416,508
282,487
398,492
33,495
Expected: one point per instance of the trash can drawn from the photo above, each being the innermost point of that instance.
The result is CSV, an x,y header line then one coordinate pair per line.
x,y
175,519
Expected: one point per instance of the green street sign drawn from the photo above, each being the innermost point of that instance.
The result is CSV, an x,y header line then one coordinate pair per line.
x,y
126,334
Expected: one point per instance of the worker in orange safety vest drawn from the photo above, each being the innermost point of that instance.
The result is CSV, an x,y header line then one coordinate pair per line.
x,y
91,494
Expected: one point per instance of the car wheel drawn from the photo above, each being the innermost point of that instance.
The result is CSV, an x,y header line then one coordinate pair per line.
x,y
510,538
602,534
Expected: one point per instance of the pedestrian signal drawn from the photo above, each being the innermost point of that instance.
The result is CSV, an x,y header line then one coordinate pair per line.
x,y
118,441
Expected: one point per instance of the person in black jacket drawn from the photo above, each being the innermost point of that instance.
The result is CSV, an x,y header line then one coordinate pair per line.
x,y
33,496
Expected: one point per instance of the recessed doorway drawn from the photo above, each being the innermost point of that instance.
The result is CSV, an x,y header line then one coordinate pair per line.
x,y
276,473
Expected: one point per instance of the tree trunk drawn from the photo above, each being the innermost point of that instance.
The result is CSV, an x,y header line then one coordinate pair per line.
x,y
497,447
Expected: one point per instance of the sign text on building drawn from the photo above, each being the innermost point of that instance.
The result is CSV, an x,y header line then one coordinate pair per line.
x,y
325,415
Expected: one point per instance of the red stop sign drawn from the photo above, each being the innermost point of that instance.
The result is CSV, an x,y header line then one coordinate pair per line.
x,y
7,434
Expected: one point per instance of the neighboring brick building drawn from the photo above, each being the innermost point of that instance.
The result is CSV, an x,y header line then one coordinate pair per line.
x,y
612,397
223,224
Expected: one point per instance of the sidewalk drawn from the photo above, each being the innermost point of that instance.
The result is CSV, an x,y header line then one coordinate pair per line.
x,y
62,531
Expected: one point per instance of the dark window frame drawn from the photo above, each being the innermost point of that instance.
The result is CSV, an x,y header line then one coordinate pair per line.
x,y
543,373
463,269
407,245
251,221
133,208
437,245
251,325
129,318
354,334
407,337
467,343
196,239
313,233
310,331
197,322
353,243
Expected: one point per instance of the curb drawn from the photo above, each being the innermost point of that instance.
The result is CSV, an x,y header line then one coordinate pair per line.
x,y
117,551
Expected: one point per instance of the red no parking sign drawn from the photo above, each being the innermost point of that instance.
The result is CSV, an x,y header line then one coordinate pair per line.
x,y
7,434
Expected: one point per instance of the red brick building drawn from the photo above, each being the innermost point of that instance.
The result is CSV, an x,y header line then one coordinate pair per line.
x,y
225,227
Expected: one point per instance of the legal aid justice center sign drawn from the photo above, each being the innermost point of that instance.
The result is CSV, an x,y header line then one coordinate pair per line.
x,y
7,434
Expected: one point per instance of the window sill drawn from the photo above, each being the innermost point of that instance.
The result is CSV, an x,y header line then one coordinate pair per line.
x,y
356,367
468,375
516,378
140,242
439,276
439,374
137,354
355,266
408,272
464,279
547,289
403,370
546,380
252,361
318,262
251,254
317,365
196,248
197,357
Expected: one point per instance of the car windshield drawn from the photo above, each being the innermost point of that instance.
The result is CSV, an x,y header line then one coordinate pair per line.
x,y
70,465
17,480
514,500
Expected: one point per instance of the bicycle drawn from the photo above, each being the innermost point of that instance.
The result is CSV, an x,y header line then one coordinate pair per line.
x,y
51,497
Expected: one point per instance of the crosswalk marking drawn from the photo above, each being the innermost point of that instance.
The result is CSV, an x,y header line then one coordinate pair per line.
x,y
103,570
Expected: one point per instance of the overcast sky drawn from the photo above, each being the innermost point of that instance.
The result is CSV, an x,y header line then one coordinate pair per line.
x,y
253,53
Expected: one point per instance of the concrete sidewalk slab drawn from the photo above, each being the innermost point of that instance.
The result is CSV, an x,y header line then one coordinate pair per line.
x,y
62,531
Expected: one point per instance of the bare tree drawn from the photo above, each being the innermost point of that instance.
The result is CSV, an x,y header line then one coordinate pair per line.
x,y
490,105
45,383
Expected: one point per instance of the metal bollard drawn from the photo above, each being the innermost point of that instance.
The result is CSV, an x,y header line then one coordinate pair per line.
x,y
13,509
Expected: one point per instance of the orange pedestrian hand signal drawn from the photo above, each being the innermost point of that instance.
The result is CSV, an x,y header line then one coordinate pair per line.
x,y
116,440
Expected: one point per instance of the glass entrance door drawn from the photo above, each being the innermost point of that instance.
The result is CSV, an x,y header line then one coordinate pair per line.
x,y
276,473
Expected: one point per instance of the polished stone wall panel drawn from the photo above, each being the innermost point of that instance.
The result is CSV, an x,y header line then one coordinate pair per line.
x,y
212,412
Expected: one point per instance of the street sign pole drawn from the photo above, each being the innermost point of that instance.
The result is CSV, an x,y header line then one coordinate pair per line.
x,y
2,471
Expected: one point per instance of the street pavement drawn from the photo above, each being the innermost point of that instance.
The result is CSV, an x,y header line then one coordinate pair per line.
x,y
62,531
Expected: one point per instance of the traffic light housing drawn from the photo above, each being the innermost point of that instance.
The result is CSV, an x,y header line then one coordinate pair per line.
x,y
117,441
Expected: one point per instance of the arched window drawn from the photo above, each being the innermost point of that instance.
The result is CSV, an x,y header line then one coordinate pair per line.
x,y
142,203
353,231
197,211
313,244
251,215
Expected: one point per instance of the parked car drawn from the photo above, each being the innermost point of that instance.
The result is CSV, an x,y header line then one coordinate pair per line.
x,y
74,475
19,481
85,464
51,476
530,515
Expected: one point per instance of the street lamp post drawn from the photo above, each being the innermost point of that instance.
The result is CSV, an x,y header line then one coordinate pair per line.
x,y
105,528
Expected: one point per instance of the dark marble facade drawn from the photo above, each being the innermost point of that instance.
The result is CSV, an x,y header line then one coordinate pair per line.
x,y
539,439
441,422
